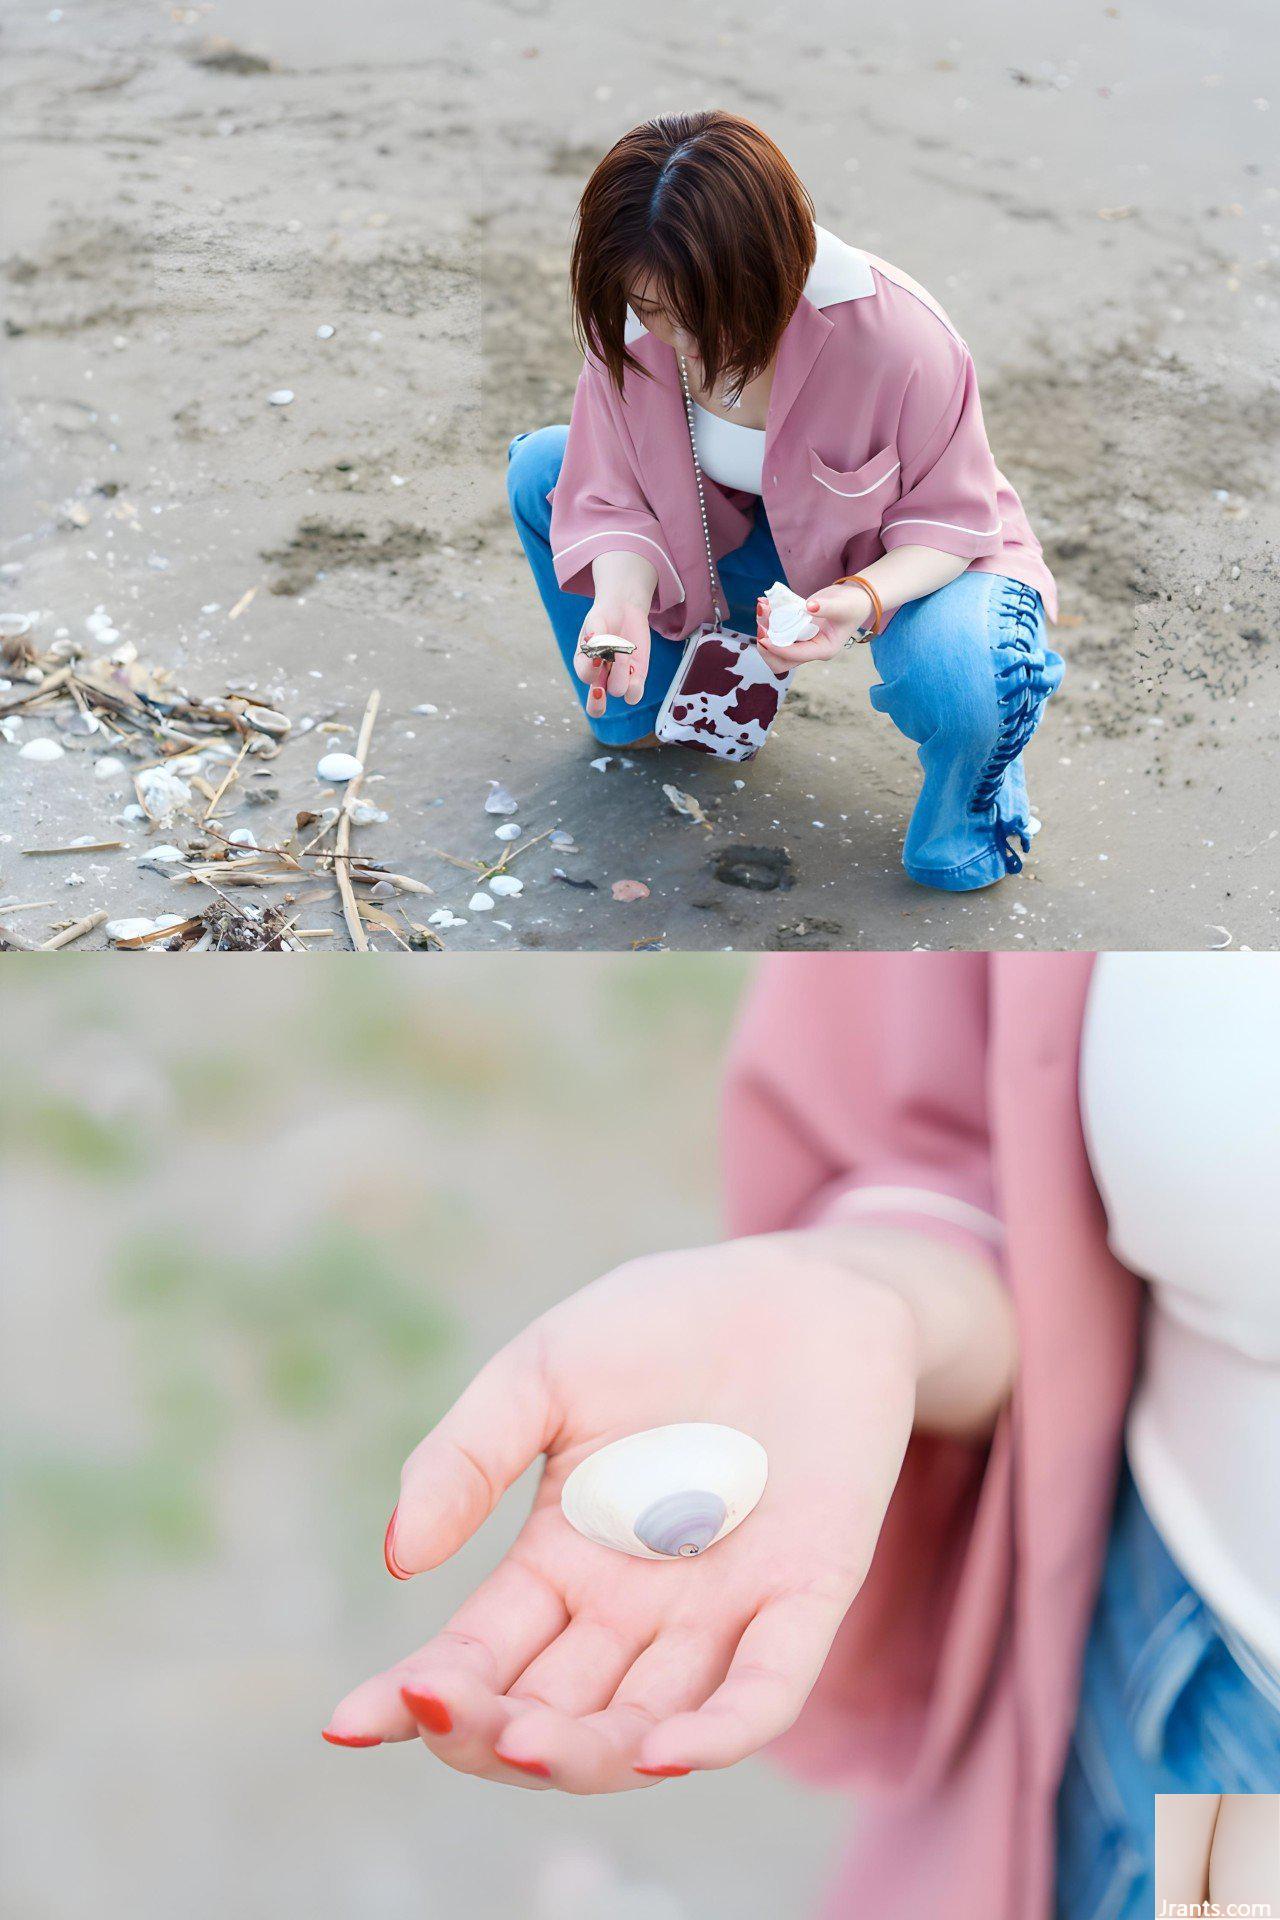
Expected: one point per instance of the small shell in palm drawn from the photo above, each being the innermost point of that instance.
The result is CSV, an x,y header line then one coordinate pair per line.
x,y
668,1493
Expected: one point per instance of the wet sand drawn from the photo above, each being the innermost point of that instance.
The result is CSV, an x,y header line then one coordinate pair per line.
x,y
1092,196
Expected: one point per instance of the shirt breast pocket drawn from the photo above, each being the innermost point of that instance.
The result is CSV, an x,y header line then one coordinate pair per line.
x,y
864,492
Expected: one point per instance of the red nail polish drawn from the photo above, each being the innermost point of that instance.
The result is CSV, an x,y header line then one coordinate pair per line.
x,y
388,1550
525,1766
427,1710
664,1773
351,1739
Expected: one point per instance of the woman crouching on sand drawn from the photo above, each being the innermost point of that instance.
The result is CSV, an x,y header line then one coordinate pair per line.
x,y
840,450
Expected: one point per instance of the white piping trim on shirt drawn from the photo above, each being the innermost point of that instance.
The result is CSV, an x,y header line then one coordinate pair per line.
x,y
630,536
845,495
914,520
924,1200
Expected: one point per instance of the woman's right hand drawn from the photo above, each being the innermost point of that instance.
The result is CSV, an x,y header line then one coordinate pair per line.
x,y
577,1666
612,612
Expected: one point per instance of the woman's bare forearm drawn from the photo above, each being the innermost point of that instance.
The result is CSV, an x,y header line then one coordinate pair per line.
x,y
909,573
966,1356
625,576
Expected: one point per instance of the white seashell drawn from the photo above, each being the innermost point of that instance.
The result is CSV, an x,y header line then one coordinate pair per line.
x,y
364,814
106,767
505,885
11,728
499,800
160,859
128,929
338,767
162,791
480,903
788,619
443,917
40,750
507,831
281,397
266,720
668,1493
325,332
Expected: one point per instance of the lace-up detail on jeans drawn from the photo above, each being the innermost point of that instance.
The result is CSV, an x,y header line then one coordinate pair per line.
x,y
1023,684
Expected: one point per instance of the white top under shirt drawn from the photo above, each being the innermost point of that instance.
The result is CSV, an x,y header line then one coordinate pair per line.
x,y
728,453
1180,1101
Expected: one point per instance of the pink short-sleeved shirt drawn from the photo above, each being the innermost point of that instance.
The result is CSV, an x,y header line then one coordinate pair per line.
x,y
874,440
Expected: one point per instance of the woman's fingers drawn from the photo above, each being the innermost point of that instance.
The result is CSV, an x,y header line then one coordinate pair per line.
x,y
371,1713
494,1635
453,1479
468,1738
619,675
778,1658
598,676
597,1752
781,663
580,1670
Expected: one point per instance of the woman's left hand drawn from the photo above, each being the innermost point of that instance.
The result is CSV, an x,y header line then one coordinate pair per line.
x,y
839,611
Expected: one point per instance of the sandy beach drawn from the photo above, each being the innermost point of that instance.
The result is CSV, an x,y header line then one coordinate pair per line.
x,y
194,192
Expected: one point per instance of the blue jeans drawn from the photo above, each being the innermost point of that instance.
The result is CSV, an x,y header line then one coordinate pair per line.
x,y
1170,1702
964,672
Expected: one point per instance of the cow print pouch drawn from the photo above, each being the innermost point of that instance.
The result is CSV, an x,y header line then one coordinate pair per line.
x,y
724,698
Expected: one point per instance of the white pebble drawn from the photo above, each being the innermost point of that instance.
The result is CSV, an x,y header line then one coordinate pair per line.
x,y
281,397
40,750
480,903
509,830
338,767
324,333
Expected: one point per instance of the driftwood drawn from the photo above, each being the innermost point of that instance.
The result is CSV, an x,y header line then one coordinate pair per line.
x,y
76,931
342,838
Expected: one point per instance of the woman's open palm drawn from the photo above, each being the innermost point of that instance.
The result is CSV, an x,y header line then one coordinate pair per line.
x,y
576,1666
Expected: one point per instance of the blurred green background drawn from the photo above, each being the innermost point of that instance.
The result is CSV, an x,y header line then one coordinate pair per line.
x,y
261,1223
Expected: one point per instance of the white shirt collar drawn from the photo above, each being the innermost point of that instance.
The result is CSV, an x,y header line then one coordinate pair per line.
x,y
839,272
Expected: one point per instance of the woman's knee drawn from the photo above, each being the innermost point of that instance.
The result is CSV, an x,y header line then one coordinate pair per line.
x,y
939,684
533,467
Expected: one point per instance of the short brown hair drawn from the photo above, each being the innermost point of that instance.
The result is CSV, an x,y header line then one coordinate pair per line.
x,y
709,210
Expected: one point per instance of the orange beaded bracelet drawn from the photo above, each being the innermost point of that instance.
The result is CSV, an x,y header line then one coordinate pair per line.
x,y
877,605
